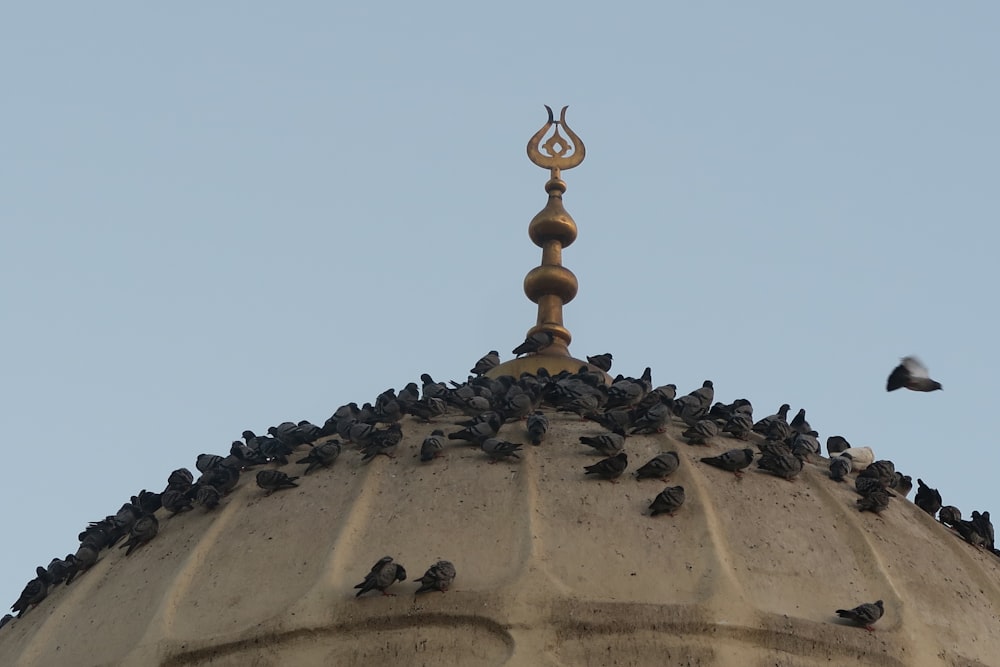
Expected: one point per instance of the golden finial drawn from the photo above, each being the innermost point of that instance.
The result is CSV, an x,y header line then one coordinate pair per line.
x,y
551,285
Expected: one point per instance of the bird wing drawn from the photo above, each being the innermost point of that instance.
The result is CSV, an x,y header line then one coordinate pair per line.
x,y
914,367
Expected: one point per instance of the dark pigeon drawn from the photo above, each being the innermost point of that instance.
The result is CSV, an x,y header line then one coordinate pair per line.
x,y
34,592
498,449
927,499
274,480
143,530
602,361
486,363
175,501
785,465
383,574
764,424
659,466
534,343
207,496
874,501
438,577
839,467
835,444
911,374
322,455
864,615
610,468
6,619
735,460
949,515
606,444
667,501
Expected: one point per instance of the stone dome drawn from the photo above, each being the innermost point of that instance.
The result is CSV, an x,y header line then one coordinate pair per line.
x,y
554,568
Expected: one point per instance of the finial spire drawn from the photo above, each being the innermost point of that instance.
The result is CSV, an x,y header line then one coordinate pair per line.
x,y
551,285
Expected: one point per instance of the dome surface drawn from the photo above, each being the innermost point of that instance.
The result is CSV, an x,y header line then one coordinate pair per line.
x,y
554,568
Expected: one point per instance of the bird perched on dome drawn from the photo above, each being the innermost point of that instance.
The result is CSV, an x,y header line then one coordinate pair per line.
x,y
610,468
486,363
659,466
864,614
602,361
534,343
383,574
438,577
734,460
667,501
927,499
913,375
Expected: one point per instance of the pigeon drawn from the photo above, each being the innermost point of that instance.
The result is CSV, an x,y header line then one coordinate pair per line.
x,y
864,615
610,468
207,496
692,407
382,442
874,501
783,465
606,444
799,423
911,374
383,574
538,426
602,361
659,466
839,467
970,533
927,499
836,444
34,592
903,484
427,408
175,501
740,425
438,577
432,446
274,480
180,479
6,619
667,501
764,424
59,569
534,343
654,419
702,432
735,460
949,515
486,363
984,527
323,455
616,419
498,449
143,530
861,457
479,431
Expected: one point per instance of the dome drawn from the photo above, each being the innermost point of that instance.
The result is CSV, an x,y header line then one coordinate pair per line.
x,y
554,568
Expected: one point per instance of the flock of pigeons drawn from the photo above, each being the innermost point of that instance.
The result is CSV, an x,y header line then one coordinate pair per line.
x,y
627,406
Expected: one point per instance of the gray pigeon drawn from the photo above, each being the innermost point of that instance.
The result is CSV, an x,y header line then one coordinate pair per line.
x,y
839,467
143,530
606,444
498,449
438,577
703,431
735,460
538,426
5,620
784,465
383,442
175,501
927,499
323,455
654,419
949,515
486,363
274,480
911,374
83,560
602,361
764,424
740,425
208,496
34,592
864,615
534,343
799,423
874,501
659,466
667,501
432,446
610,468
383,574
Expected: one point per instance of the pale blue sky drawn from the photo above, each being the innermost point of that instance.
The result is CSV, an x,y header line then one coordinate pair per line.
x,y
224,217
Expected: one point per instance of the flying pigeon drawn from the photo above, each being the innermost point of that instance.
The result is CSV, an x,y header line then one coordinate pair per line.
x,y
534,343
486,363
659,466
438,577
735,460
610,468
911,374
383,574
667,501
864,615
927,499
274,480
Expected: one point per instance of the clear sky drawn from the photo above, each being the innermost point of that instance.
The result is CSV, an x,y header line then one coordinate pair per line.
x,y
223,216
